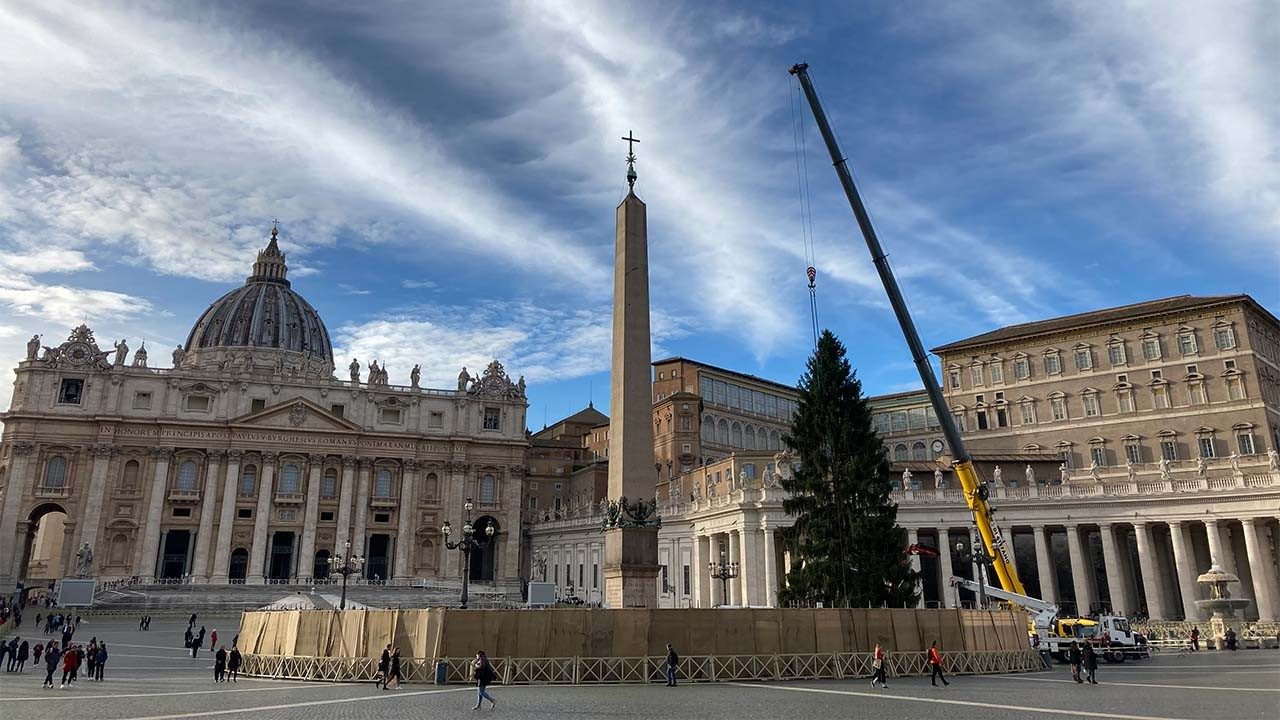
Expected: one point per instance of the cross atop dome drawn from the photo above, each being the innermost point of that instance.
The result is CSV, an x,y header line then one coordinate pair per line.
x,y
270,266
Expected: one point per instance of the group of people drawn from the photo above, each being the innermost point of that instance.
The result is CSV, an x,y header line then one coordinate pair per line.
x,y
389,673
57,622
226,665
879,671
71,657
1083,659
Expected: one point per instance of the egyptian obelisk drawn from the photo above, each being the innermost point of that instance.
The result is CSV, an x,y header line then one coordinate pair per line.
x,y
631,546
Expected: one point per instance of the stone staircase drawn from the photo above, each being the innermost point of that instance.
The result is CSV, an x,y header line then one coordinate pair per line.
x,y
222,599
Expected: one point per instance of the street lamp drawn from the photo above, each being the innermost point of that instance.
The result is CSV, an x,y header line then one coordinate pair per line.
x,y
979,557
724,571
468,543
345,565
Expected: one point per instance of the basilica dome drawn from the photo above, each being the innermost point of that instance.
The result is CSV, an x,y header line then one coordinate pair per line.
x,y
263,314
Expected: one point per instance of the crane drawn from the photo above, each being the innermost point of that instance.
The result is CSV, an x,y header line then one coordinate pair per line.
x,y
975,492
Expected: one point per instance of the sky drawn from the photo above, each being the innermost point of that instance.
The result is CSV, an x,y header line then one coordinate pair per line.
x,y
445,174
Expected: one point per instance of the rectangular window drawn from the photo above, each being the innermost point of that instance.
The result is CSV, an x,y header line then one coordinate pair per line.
x,y
1245,441
899,420
198,403
975,375
244,513
379,517
1193,369
881,422
338,410
1187,344
1206,447
1196,393
1224,338
959,418
1160,397
1125,399
1090,405
326,516
666,580
1169,450
142,401
533,502
735,396
915,418
435,420
595,577
182,512
1021,369
1228,365
684,587
1002,417
1098,455
953,377
686,422
391,416
257,405
1116,354
1235,390
997,371
1052,364
1059,407
71,391
1028,413
1133,453
492,418
686,448
1151,348
982,419
1084,359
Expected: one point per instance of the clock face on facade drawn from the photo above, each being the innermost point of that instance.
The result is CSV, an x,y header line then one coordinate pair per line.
x,y
79,353
937,446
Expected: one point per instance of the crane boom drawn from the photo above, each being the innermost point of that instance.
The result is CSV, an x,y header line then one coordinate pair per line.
x,y
962,463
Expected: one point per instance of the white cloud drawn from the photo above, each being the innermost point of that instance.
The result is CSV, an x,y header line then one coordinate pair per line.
x,y
418,284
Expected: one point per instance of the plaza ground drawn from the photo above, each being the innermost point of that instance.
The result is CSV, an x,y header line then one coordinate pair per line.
x,y
150,676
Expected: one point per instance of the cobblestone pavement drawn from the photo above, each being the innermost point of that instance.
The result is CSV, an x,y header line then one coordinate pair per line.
x,y
150,676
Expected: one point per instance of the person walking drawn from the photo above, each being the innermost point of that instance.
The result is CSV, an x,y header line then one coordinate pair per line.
x,y
484,675
195,644
52,655
36,651
75,669
935,665
1089,658
673,662
187,637
68,667
142,622
102,660
233,663
213,638
393,673
1074,657
4,650
91,655
877,667
24,650
220,665
384,667
1195,639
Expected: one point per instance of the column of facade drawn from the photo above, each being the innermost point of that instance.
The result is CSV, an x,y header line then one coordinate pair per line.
x,y
1150,572
1044,565
258,551
1079,571
947,594
699,572
453,496
92,515
11,543
913,538
749,577
311,515
770,570
358,535
344,505
155,514
735,552
1185,561
226,518
208,500
716,587
1264,569
1120,604
408,508
1219,551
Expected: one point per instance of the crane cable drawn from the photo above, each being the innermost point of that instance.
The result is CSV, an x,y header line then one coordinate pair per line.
x,y
806,208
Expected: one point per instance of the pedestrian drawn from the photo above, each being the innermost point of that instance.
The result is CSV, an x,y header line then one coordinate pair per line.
x,y
384,666
233,663
24,651
102,660
1230,637
195,644
36,651
484,675
148,626
935,665
12,649
220,665
877,667
1073,657
1090,660
673,662
91,655
68,667
51,657
142,623
4,650
38,617
1195,639
192,621
393,674
187,637
78,652
213,638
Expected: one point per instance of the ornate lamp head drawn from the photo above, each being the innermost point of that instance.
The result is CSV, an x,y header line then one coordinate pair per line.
x,y
468,505
446,529
488,530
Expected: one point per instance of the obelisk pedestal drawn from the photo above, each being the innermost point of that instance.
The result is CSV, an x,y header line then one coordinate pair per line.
x,y
631,544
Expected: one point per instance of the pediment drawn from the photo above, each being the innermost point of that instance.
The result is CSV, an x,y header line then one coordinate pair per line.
x,y
296,414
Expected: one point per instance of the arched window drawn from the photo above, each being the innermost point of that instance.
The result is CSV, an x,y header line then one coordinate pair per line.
x,y
749,438
918,451
290,479
722,432
775,440
382,488
55,472
431,487
735,435
329,484
187,475
129,477
900,452
488,489
249,480
708,429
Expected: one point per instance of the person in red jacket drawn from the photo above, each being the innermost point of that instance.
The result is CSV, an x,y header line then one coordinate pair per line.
x,y
935,664
68,666
877,667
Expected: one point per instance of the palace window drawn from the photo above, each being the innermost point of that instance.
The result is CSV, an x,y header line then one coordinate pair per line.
x,y
1187,343
431,487
997,371
958,417
1235,388
686,422
1151,348
1124,399
338,410
1169,450
1116,353
1028,412
1133,452
982,420
244,513
1084,359
1195,391
248,480
975,374
1224,337
1058,406
1021,368
735,435
919,451
489,489
186,476
390,416
1244,441
1052,364
290,479
900,452
1206,447
492,418
55,472
1160,397
1098,454
129,478
71,391
1002,417
198,403
1090,404
899,421
329,484
258,405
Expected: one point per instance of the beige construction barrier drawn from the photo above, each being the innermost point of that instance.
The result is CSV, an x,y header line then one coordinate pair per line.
x,y
583,646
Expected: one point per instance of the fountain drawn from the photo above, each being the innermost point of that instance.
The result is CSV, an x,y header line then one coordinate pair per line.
x,y
1221,604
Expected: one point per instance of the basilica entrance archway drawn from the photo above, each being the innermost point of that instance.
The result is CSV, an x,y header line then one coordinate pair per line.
x,y
173,556
281,564
484,556
239,564
42,546
378,564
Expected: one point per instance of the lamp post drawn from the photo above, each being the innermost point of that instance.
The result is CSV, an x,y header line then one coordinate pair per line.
x,y
345,565
724,571
979,557
468,543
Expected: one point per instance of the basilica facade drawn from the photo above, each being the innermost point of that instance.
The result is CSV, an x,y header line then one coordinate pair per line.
x,y
246,460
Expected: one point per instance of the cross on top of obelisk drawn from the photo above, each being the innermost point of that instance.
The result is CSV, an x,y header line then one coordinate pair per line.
x,y
631,159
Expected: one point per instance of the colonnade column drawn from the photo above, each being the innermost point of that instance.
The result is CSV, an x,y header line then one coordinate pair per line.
x,y
362,507
89,520
947,593
1044,565
344,505
735,552
258,551
717,586
747,571
1219,551
408,508
770,570
1150,572
208,500
155,513
307,556
1120,604
1079,571
1264,571
699,569
913,538
226,518
1186,566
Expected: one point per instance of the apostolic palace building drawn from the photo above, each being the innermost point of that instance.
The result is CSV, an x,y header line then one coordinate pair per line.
x,y
1126,450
